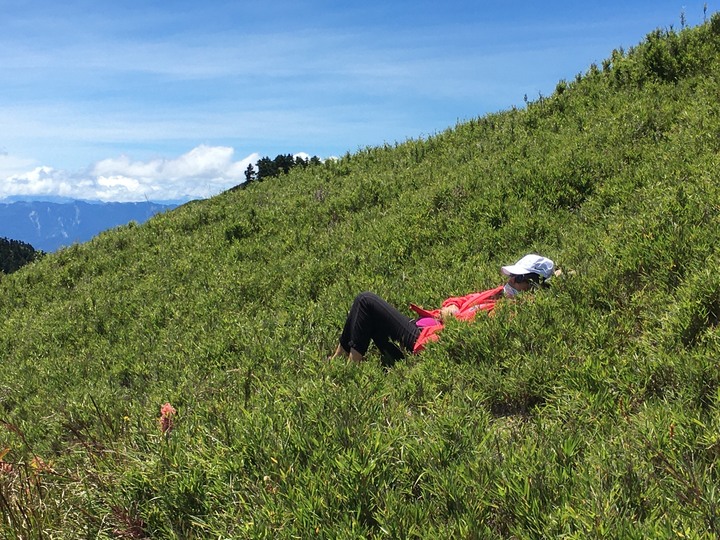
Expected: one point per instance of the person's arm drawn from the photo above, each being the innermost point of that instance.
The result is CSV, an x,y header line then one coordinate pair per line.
x,y
458,303
464,307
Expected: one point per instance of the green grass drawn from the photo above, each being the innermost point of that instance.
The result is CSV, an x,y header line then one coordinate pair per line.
x,y
590,410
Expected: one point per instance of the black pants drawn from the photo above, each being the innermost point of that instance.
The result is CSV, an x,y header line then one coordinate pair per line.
x,y
372,318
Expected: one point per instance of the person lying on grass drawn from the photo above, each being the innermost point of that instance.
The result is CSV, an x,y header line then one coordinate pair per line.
x,y
372,319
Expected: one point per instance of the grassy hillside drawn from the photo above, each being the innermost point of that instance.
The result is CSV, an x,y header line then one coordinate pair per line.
x,y
591,410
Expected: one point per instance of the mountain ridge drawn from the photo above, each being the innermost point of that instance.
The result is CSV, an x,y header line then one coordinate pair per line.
x,y
49,225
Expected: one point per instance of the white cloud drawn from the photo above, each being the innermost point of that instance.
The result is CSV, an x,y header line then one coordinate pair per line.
x,y
200,173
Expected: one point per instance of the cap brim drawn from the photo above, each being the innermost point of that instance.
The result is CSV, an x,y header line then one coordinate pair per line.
x,y
514,270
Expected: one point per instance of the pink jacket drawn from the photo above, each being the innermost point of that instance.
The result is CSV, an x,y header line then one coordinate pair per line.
x,y
467,305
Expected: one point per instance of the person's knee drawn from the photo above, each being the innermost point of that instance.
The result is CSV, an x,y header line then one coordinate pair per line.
x,y
365,297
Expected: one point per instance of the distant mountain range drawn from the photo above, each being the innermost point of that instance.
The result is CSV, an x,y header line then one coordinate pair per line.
x,y
47,226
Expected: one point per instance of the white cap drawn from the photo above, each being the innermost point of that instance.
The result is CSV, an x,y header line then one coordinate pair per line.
x,y
530,264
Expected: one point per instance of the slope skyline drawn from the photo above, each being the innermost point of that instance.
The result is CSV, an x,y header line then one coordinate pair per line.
x,y
157,102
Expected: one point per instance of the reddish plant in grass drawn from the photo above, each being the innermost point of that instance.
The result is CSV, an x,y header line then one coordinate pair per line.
x,y
129,524
167,412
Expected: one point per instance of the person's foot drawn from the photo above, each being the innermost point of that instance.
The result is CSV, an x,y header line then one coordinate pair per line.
x,y
338,352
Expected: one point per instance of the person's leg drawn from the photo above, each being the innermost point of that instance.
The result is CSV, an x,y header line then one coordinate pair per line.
x,y
340,351
352,353
372,318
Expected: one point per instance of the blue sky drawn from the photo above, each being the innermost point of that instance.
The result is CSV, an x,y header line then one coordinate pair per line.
x,y
159,100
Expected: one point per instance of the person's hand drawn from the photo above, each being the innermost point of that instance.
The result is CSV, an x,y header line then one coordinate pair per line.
x,y
448,312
